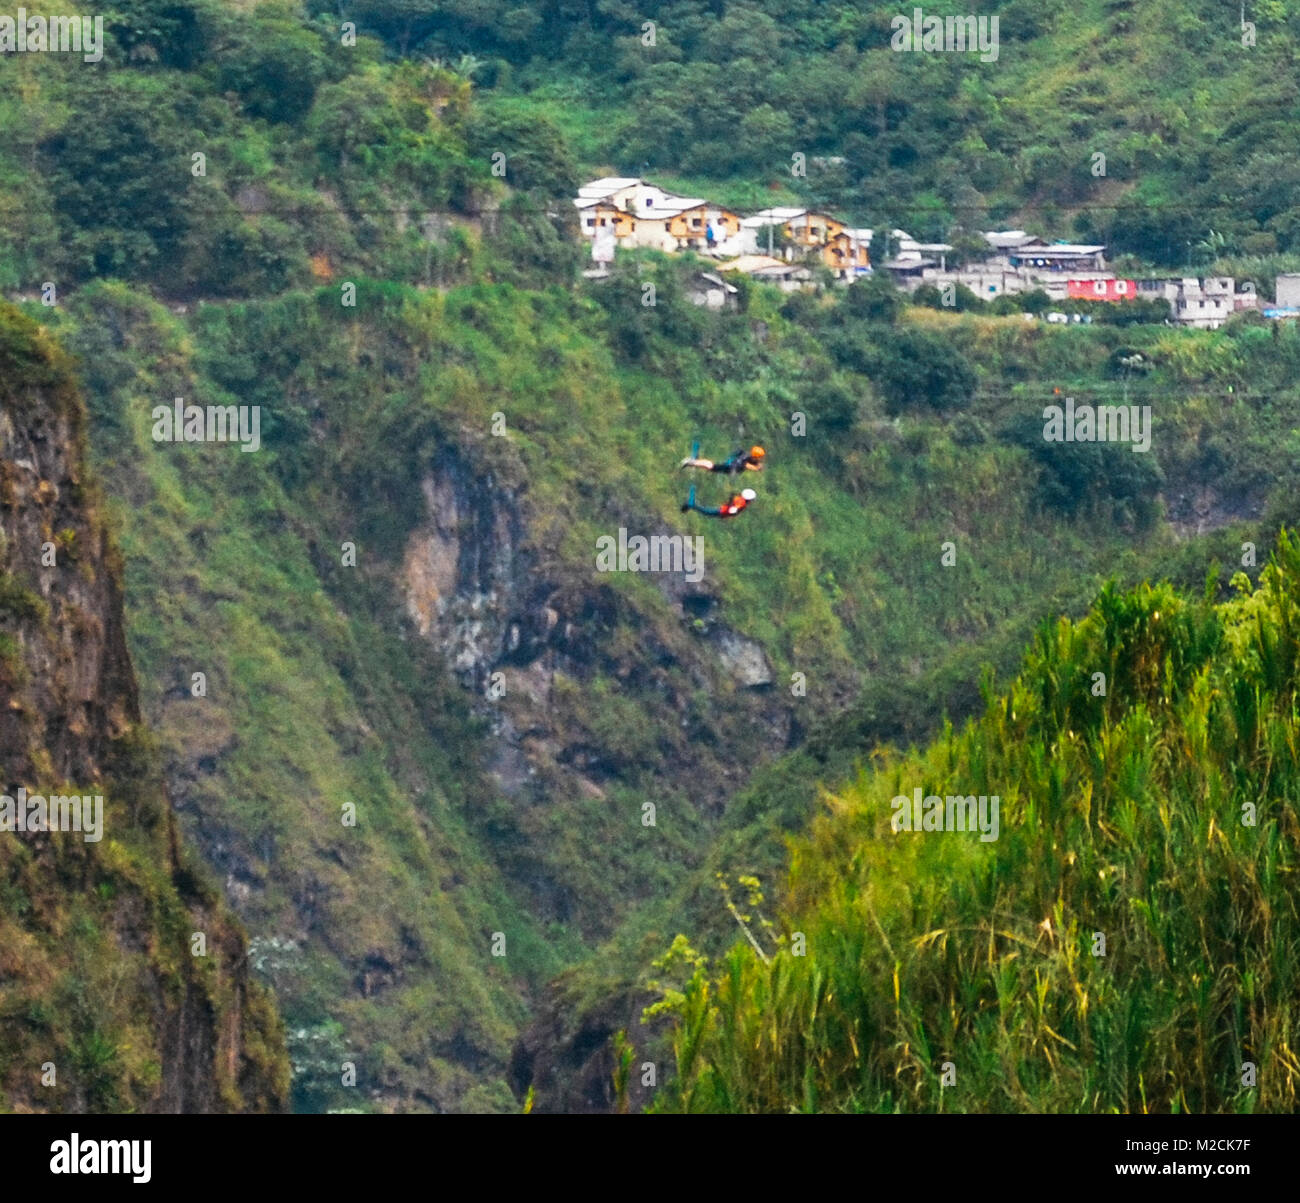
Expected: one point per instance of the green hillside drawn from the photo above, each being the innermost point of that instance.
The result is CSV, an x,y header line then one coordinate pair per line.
x,y
124,977
321,154
318,695
1127,941
1198,130
395,600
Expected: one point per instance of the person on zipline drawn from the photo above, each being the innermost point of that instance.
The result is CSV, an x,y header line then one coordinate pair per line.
x,y
740,461
728,510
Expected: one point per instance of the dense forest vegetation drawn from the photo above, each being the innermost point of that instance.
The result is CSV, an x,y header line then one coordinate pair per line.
x,y
1198,131
322,156
201,204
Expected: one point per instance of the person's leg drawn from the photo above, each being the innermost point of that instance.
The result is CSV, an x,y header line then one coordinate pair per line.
x,y
694,461
689,504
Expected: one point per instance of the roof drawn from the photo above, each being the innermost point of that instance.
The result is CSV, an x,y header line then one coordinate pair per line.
x,y
679,204
1003,239
767,217
718,280
597,202
663,215
751,264
938,248
1064,250
907,264
607,184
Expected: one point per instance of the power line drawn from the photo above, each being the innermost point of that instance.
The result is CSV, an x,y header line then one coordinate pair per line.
x,y
312,210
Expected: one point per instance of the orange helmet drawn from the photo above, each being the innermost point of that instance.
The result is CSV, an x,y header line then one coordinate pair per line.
x,y
757,452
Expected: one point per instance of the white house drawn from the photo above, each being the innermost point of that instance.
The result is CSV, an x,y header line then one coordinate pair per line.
x,y
1288,290
752,229
788,277
708,288
642,214
1204,303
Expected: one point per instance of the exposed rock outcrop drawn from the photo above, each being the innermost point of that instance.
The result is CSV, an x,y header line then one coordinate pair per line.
x,y
547,647
512,630
123,979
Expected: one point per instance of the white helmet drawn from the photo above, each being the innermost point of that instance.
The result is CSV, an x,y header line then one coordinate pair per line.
x,y
748,494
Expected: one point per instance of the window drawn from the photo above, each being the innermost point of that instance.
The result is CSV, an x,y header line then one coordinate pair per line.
x,y
591,221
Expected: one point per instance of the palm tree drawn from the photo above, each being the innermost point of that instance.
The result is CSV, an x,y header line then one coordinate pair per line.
x,y
1212,245
466,65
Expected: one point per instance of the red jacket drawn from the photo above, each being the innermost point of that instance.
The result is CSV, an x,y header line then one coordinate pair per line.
x,y
732,507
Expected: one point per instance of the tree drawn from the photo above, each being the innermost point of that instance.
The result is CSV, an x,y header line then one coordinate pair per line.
x,y
913,366
273,64
1101,478
119,172
873,299
538,158
765,139
170,33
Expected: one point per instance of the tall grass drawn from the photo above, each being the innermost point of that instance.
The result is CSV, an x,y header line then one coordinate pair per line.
x,y
1161,816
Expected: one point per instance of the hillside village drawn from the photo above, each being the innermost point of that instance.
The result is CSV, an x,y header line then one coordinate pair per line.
x,y
784,245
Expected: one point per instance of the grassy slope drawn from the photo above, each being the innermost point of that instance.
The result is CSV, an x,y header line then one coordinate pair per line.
x,y
1162,816
840,577
313,701
98,977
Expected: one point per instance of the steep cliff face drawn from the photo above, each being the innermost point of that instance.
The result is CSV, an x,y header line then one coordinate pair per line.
x,y
123,979
593,685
